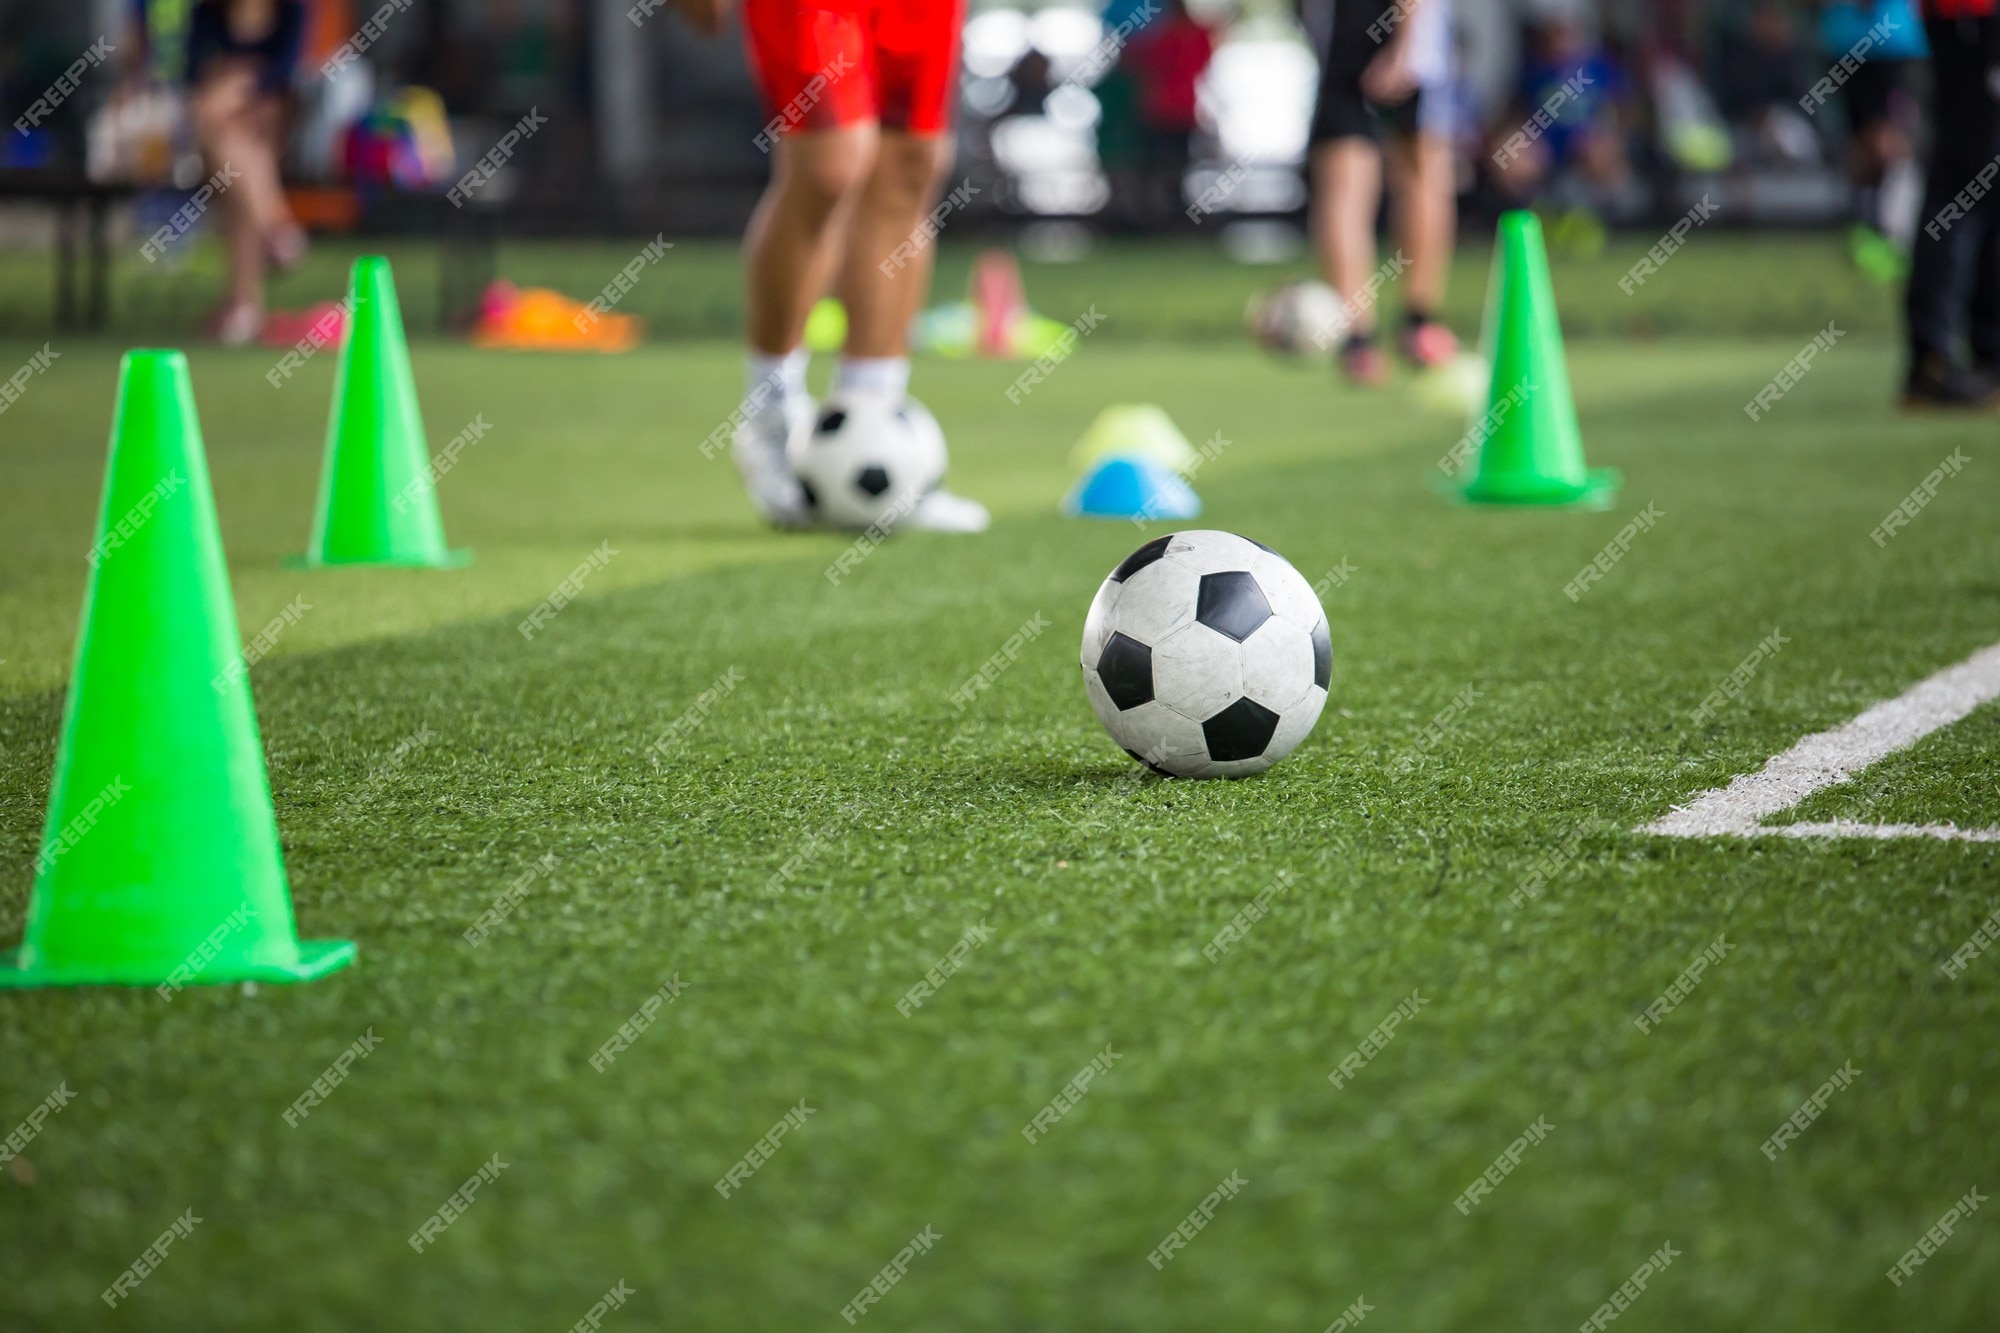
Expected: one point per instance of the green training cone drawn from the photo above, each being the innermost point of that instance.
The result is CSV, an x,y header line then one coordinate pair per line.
x,y
160,862
377,505
1531,452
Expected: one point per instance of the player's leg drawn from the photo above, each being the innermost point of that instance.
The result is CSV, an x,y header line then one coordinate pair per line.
x,y
1983,310
1943,262
887,254
823,137
222,109
1984,324
1347,197
886,269
789,254
1345,165
792,243
1423,178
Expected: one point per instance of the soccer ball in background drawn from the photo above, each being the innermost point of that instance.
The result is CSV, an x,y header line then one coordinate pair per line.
x,y
1206,655
1300,318
869,458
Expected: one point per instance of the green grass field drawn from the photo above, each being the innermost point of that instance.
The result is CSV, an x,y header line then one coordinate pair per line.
x,y
835,825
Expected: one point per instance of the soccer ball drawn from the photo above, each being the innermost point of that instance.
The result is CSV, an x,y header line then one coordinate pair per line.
x,y
1206,655
1298,318
869,459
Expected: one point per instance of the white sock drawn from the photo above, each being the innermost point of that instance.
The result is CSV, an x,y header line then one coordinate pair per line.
x,y
770,382
873,374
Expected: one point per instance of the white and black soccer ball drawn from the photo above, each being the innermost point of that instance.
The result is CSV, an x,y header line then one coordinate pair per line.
x,y
1300,318
869,458
1206,655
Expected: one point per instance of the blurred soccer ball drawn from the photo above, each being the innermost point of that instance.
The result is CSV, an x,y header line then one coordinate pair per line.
x,y
1206,655
869,459
1299,318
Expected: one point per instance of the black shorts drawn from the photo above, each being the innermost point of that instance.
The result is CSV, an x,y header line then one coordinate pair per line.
x,y
1879,91
1341,110
272,57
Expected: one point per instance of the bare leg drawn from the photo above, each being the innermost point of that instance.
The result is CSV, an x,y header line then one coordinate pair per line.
x,y
886,270
792,243
885,274
240,134
1347,196
1421,176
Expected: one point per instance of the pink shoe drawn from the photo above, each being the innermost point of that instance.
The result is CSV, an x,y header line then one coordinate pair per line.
x,y
1429,345
1364,364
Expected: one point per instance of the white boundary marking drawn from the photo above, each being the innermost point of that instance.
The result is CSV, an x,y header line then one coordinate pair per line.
x,y
1829,758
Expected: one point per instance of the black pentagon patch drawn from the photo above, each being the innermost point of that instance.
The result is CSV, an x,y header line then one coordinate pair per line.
x,y
833,420
812,496
1139,559
872,480
1149,763
1259,545
1126,668
1240,731
1231,604
1322,654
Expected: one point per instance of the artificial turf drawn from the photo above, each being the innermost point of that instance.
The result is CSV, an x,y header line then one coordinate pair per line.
x,y
833,825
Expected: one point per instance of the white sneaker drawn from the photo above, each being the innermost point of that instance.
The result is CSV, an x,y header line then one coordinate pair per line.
x,y
761,445
941,511
239,325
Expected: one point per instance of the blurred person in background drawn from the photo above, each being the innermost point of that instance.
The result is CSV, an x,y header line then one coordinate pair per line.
x,y
1881,105
1579,161
1385,73
1166,59
241,55
860,95
1955,261
1761,75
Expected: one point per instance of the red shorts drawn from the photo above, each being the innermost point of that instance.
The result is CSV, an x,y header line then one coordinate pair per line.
x,y
826,64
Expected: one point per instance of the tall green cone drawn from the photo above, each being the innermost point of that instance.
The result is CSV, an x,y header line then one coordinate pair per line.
x,y
1532,451
160,863
377,505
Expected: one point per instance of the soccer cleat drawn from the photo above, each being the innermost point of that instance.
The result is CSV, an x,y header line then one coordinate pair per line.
x,y
1936,383
1428,344
1363,363
761,445
1880,259
941,511
237,324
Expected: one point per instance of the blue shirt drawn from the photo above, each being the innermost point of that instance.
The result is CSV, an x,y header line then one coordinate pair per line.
x,y
1846,22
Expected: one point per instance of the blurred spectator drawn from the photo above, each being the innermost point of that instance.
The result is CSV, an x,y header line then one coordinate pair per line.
x,y
1166,59
1030,81
1581,155
1881,105
1761,76
241,56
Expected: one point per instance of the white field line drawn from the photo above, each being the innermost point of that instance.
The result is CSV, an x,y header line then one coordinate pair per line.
x,y
1847,828
1829,758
